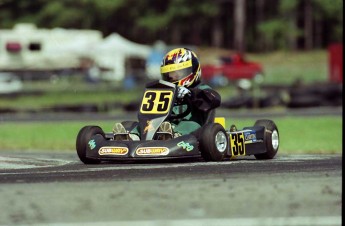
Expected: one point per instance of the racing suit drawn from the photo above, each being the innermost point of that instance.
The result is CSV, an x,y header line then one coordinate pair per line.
x,y
202,99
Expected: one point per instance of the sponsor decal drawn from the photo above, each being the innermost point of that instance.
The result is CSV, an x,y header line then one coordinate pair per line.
x,y
149,126
249,137
175,67
186,146
92,144
152,151
113,151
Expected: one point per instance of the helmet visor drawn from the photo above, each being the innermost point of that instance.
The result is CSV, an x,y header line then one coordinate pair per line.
x,y
175,76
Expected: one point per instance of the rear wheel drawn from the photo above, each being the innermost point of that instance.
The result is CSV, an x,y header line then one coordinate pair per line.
x,y
271,139
83,138
213,142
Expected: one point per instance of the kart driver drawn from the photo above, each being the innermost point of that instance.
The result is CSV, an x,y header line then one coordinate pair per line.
x,y
181,67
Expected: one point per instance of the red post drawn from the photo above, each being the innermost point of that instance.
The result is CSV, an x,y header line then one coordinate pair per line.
x,y
335,53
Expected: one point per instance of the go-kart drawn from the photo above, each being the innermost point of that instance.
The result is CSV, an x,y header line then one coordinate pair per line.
x,y
212,141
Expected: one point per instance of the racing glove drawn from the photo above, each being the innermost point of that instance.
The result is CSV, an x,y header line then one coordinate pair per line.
x,y
182,92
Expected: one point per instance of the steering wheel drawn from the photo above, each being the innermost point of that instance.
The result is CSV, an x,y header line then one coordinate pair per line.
x,y
185,101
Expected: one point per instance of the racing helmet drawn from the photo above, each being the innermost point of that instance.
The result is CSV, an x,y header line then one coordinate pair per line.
x,y
181,67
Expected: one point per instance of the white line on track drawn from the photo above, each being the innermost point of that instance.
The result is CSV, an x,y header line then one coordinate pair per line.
x,y
277,221
17,162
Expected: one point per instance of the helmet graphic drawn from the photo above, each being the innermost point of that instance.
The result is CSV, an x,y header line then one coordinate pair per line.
x,y
181,67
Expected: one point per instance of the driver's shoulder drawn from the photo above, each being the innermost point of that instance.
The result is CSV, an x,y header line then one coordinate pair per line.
x,y
203,86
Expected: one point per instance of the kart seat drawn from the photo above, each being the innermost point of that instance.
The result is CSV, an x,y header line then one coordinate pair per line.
x,y
209,116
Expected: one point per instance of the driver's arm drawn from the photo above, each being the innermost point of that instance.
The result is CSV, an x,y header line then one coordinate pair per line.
x,y
204,98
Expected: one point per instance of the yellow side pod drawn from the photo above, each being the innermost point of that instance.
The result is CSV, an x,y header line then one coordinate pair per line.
x,y
220,120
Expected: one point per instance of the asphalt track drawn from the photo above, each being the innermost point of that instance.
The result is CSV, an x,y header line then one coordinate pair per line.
x,y
57,189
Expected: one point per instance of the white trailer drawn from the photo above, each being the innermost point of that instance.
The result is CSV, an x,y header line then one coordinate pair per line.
x,y
28,48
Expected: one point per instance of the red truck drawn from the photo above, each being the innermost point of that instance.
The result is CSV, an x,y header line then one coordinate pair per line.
x,y
233,68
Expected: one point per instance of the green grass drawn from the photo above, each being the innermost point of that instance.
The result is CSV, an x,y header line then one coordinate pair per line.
x,y
297,134
68,91
287,67
65,98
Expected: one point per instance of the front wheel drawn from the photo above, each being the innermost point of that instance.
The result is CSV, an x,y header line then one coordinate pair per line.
x,y
271,139
213,142
83,138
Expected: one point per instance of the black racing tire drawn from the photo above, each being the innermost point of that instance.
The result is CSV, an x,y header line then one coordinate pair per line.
x,y
304,101
213,142
271,139
83,138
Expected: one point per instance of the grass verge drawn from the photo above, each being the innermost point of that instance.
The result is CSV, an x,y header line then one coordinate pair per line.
x,y
298,135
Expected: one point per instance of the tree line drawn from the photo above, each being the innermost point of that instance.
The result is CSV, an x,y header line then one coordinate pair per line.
x,y
243,25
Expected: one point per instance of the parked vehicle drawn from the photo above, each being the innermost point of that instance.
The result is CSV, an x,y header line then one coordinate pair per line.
x,y
233,68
